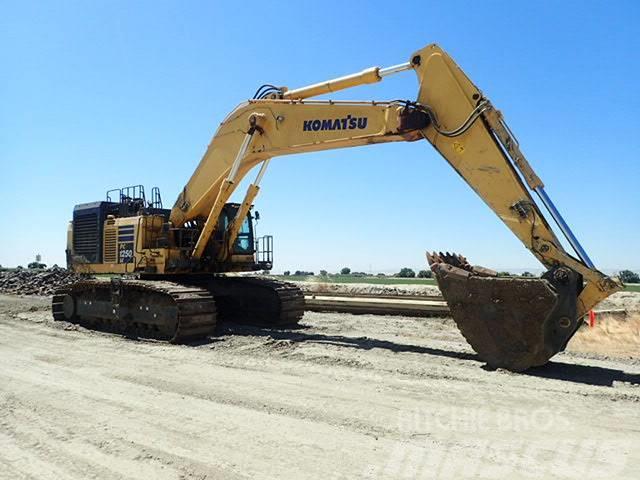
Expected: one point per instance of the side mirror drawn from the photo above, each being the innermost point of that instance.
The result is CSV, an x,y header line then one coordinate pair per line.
x,y
257,216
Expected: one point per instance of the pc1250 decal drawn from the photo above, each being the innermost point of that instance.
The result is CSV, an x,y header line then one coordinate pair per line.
x,y
125,252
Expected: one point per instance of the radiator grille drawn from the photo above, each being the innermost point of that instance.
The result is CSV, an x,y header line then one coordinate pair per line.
x,y
85,236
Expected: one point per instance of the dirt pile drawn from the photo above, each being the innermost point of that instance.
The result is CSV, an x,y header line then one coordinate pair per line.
x,y
630,301
617,336
367,289
37,281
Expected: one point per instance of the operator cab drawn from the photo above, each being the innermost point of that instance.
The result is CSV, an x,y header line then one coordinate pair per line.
x,y
244,244
249,251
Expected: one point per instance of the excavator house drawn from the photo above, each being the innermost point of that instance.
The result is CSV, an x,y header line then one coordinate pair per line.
x,y
172,270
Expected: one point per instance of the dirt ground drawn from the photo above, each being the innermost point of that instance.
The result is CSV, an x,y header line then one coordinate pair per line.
x,y
343,397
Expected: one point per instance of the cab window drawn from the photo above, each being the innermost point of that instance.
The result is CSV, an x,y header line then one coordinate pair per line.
x,y
243,243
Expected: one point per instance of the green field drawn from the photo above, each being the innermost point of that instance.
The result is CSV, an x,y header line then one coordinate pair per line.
x,y
384,280
354,279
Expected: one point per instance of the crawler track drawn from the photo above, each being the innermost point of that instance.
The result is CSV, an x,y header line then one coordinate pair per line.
x,y
161,310
179,308
250,300
260,301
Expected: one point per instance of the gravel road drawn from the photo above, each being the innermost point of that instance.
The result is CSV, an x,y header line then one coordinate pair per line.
x,y
343,397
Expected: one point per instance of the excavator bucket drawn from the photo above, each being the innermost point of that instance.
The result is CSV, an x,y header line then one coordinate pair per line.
x,y
511,322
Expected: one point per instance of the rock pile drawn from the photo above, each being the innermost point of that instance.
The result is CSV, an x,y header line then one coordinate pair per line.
x,y
37,281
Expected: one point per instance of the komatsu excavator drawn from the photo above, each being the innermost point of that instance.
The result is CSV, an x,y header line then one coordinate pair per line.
x,y
171,268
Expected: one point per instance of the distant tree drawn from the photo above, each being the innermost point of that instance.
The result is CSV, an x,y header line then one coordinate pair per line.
x,y
527,274
323,273
504,274
406,273
302,273
425,274
627,276
380,275
345,271
286,273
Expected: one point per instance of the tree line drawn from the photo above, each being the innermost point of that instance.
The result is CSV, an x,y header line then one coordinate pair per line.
x,y
405,272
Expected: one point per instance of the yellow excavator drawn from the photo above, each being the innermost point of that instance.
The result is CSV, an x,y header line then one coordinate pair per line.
x,y
171,269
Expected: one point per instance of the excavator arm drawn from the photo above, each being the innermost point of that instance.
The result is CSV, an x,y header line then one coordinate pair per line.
x,y
514,323
488,157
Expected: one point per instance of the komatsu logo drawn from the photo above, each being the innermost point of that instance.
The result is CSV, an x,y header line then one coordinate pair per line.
x,y
347,123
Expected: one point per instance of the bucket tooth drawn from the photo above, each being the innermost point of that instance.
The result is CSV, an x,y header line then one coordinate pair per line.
x,y
511,322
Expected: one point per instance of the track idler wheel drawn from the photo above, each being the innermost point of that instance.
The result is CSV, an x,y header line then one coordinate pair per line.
x,y
511,322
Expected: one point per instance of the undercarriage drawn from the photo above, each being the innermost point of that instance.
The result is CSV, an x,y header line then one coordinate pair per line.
x,y
177,308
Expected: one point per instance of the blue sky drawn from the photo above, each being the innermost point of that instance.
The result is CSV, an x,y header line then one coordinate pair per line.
x,y
96,95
